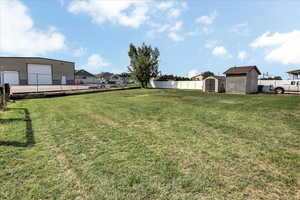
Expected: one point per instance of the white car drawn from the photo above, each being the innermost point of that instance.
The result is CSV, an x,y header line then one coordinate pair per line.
x,y
287,86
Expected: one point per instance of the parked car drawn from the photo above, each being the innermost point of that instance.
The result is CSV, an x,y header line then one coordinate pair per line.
x,y
286,86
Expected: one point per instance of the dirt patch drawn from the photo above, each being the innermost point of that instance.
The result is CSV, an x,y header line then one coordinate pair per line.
x,y
229,102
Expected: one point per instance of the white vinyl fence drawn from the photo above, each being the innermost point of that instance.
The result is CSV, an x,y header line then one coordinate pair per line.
x,y
191,85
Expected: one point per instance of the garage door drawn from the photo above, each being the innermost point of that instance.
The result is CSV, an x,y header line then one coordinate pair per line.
x,y
39,74
10,77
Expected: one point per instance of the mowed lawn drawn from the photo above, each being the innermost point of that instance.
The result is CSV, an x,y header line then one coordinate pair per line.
x,y
151,144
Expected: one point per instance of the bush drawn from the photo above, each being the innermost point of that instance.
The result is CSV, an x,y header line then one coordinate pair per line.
x,y
172,78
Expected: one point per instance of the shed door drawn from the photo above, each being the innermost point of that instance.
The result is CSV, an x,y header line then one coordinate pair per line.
x,y
210,85
10,77
39,74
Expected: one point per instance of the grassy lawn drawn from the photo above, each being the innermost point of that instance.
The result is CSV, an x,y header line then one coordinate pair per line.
x,y
151,144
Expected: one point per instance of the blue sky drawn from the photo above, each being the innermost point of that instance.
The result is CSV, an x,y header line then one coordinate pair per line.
x,y
192,35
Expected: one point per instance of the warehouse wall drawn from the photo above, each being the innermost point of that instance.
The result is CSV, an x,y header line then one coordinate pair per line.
x,y
19,64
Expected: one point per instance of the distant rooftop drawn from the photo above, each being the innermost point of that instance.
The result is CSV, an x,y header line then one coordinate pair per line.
x,y
294,71
83,72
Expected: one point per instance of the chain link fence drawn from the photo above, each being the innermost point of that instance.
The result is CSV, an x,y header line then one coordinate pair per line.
x,y
39,82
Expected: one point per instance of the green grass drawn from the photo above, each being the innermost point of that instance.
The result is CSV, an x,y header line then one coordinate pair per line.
x,y
151,144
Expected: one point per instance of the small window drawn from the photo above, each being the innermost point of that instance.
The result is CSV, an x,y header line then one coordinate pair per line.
x,y
293,83
298,83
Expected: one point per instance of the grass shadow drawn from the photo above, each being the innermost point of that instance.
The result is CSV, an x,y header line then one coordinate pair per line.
x,y
30,141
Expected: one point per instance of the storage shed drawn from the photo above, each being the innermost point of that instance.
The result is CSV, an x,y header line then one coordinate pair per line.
x,y
242,80
214,84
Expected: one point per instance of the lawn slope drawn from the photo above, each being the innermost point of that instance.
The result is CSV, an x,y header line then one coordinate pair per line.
x,y
151,144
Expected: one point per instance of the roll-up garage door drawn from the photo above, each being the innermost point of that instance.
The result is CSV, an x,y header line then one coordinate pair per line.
x,y
10,77
39,74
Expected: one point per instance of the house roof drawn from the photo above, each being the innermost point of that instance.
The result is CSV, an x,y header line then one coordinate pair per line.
x,y
82,72
241,70
294,71
216,77
35,58
105,75
197,75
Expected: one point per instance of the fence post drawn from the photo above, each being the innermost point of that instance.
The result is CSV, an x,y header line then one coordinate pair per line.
x,y
3,97
61,87
37,82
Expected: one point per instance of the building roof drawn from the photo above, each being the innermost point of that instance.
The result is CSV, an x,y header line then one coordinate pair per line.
x,y
197,75
241,70
294,71
35,58
105,75
216,77
82,72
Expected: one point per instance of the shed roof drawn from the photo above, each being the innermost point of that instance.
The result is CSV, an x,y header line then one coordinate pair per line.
x,y
241,70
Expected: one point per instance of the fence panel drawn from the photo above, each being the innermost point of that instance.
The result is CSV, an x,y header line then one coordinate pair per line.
x,y
191,85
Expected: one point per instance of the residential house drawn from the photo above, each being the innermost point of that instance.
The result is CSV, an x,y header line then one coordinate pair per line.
x,y
104,76
84,77
198,77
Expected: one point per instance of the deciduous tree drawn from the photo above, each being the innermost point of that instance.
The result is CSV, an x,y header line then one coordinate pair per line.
x,y
144,63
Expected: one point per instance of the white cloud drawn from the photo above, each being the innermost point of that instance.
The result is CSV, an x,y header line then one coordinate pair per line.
x,y
184,5
200,31
207,19
219,51
131,13
241,29
176,37
79,52
242,55
211,44
282,47
160,16
193,73
19,36
174,13
94,63
177,26
170,29
165,5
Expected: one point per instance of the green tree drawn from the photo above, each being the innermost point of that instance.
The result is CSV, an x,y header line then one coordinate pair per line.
x,y
207,74
143,63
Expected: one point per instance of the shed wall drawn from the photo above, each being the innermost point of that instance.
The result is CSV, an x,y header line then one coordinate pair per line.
x,y
252,79
236,84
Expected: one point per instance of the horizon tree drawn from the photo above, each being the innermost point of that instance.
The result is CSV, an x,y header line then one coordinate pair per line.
x,y
207,74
